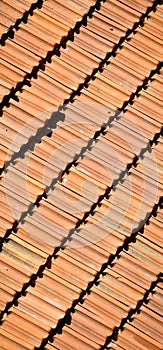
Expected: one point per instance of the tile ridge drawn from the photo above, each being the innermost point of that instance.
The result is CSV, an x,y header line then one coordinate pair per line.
x,y
24,18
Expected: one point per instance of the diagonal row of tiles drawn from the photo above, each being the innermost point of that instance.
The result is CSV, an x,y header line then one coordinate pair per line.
x,y
52,286
69,121
61,264
143,104
75,51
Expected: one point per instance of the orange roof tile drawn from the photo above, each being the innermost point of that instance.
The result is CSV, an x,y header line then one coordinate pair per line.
x,y
81,174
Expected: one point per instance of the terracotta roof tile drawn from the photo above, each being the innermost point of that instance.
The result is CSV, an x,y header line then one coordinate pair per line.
x,y
81,175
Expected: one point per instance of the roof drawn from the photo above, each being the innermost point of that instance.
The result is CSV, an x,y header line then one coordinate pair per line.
x,y
81,174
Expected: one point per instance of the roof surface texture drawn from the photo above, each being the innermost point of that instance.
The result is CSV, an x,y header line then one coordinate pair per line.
x,y
81,174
